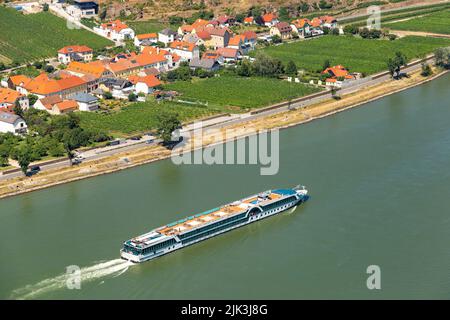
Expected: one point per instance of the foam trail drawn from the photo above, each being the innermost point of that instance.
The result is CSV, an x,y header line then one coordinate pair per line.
x,y
88,274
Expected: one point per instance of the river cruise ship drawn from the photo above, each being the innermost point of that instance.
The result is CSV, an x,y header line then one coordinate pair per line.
x,y
202,226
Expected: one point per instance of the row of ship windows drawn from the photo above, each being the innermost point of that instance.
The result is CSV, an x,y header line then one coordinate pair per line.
x,y
277,204
204,234
211,226
272,211
159,246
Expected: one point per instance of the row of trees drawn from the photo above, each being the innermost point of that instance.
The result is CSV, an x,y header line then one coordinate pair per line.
x,y
266,66
368,33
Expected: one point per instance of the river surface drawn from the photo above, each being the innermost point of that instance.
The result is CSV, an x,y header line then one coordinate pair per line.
x,y
379,179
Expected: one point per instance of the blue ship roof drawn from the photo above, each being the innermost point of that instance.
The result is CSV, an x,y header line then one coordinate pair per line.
x,y
284,192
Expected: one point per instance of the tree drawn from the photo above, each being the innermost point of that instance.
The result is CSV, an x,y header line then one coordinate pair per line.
x,y
442,57
244,69
326,64
303,7
266,66
334,31
291,68
32,98
426,70
168,122
45,7
351,29
107,95
24,158
132,97
276,39
18,109
394,64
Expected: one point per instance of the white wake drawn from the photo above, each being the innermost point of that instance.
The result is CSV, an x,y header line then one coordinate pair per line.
x,y
87,274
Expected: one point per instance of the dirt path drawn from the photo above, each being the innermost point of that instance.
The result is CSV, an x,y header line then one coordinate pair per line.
x,y
402,33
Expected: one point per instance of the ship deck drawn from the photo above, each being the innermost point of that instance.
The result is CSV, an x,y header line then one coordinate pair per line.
x,y
200,219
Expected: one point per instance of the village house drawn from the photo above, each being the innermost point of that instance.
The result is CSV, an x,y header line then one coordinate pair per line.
x,y
9,98
75,53
115,30
338,75
145,39
205,64
219,37
270,19
226,21
230,54
185,50
119,88
43,86
243,42
64,107
249,20
329,22
83,9
213,55
166,36
198,25
93,72
194,39
86,102
281,29
12,123
301,27
145,85
47,103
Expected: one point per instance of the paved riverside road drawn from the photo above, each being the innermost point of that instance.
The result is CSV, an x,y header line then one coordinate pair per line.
x,y
220,122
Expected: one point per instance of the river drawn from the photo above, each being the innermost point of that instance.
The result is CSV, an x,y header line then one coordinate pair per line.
x,y
379,179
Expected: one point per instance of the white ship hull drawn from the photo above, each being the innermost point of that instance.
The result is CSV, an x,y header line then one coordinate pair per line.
x,y
179,245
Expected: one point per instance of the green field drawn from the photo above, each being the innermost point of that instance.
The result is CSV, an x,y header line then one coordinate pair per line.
x,y
138,117
35,36
438,22
228,93
357,54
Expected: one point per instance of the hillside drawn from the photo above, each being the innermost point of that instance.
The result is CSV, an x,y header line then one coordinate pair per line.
x,y
160,9
30,37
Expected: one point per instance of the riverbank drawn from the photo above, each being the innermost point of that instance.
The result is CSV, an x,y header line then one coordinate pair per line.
x,y
149,154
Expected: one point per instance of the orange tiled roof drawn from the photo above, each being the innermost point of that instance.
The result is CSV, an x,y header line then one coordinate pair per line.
x,y
328,19
187,28
147,36
300,23
95,68
67,105
9,96
336,71
236,40
248,19
227,52
316,22
116,25
49,101
19,80
76,49
249,34
182,45
199,23
211,55
45,86
149,80
269,17
204,35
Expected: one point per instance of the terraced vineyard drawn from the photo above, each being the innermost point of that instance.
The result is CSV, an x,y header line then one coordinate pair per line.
x,y
360,55
438,22
31,37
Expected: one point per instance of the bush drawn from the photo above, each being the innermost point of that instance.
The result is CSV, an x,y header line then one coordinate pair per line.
x,y
426,70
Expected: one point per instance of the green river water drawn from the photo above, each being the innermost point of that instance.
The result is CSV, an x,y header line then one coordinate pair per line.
x,y
379,179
